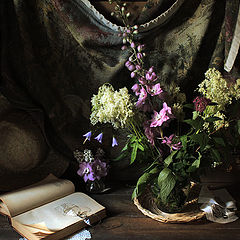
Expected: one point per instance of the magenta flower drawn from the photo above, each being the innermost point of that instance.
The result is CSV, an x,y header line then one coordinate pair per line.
x,y
138,67
114,142
150,70
169,142
140,47
200,103
128,63
136,88
151,76
139,55
132,45
131,67
99,169
154,89
142,80
86,171
133,74
164,115
142,97
88,136
99,137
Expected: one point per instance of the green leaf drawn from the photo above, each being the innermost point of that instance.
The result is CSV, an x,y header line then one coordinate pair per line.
x,y
125,147
200,138
196,124
140,146
169,159
219,141
163,175
195,165
134,153
212,119
166,182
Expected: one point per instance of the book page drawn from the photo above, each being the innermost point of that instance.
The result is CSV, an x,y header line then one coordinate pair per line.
x,y
59,214
47,190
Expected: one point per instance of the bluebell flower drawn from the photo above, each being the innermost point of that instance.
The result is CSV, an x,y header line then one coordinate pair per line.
x,y
99,137
88,136
114,142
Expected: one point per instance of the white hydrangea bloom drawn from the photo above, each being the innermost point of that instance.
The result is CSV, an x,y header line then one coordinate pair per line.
x,y
110,106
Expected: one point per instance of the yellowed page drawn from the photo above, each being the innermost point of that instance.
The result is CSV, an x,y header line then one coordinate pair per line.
x,y
51,217
36,195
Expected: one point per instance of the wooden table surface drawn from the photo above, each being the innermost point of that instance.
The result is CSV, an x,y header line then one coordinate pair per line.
x,y
125,222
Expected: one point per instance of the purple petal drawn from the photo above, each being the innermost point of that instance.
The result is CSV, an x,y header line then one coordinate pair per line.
x,y
114,142
99,137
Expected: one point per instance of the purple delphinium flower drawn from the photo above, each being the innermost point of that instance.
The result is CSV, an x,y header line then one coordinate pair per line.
x,y
133,45
200,103
139,55
142,97
133,74
128,63
138,67
114,142
164,115
131,67
151,76
154,89
88,136
99,137
169,142
99,168
136,88
142,80
140,47
86,171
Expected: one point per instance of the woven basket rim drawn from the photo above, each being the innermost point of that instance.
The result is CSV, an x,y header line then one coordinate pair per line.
x,y
181,217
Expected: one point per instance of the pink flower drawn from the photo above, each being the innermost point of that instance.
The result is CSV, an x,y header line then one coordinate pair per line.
x,y
154,89
151,76
128,63
136,89
138,67
140,47
133,74
164,115
142,80
131,67
139,55
124,47
150,70
132,45
169,142
142,97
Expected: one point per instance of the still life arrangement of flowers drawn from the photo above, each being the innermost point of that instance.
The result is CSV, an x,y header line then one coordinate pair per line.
x,y
176,140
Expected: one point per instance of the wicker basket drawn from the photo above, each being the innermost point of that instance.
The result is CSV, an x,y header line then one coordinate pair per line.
x,y
146,203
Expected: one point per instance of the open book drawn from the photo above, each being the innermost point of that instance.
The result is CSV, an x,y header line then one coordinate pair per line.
x,y
50,209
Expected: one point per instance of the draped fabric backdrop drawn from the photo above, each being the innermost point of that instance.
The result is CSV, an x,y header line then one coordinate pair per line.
x,y
56,53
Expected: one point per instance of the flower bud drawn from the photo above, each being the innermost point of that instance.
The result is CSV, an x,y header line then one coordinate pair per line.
x,y
132,45
128,14
112,13
133,74
124,47
135,27
124,41
135,32
122,9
